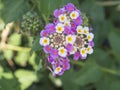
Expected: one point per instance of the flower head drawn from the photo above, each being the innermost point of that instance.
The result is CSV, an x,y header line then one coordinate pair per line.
x,y
66,36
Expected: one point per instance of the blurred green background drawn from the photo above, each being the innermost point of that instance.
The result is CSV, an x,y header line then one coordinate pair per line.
x,y
22,59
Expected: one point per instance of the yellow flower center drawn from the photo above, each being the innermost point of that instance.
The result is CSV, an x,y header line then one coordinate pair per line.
x,y
59,28
79,30
58,69
62,18
83,51
45,41
89,37
73,15
69,38
62,51
88,49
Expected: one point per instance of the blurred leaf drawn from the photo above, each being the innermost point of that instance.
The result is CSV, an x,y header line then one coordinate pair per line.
x,y
108,83
13,9
32,61
47,7
68,80
102,58
22,58
15,39
36,46
2,24
8,54
114,42
101,31
90,73
25,77
8,82
94,11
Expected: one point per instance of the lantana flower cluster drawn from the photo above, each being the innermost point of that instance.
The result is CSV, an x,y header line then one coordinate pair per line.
x,y
64,37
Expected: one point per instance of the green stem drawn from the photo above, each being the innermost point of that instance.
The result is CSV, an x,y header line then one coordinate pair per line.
x,y
15,48
108,3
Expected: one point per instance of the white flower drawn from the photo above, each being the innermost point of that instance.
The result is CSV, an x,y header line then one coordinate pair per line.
x,y
62,18
44,41
89,50
62,52
85,30
83,52
90,36
59,28
80,29
57,70
74,15
70,39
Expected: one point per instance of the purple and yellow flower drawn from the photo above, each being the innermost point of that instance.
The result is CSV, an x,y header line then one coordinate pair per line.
x,y
66,36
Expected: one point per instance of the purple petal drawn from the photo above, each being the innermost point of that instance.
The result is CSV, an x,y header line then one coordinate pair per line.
x,y
66,60
50,27
66,66
91,43
73,27
57,12
44,33
47,49
69,47
78,21
54,53
70,7
76,55
56,21
68,30
51,60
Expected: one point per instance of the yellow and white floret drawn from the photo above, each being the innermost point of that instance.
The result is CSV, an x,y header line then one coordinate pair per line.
x,y
74,15
57,70
67,23
59,28
44,41
79,29
62,18
83,52
62,52
90,36
89,50
70,39
85,30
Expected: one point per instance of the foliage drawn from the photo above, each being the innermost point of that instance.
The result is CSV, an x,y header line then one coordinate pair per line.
x,y
22,61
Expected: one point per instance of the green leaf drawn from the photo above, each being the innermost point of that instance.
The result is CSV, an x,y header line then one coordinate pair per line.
x,y
22,58
108,82
13,9
8,54
94,11
36,46
68,79
25,77
114,38
102,58
90,73
8,82
15,39
32,61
